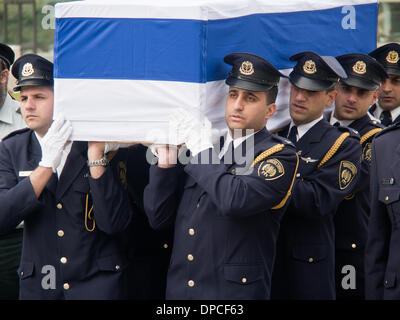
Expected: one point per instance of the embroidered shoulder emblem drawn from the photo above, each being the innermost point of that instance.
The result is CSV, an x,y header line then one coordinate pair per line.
x,y
366,154
347,172
271,169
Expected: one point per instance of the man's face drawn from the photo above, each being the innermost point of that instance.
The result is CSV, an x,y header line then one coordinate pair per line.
x,y
247,109
3,84
37,108
389,93
306,105
353,103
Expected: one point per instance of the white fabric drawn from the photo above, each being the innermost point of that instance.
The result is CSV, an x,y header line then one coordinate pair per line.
x,y
394,113
10,118
193,9
237,142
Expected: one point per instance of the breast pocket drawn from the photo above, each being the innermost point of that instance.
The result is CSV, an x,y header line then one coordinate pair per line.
x,y
391,198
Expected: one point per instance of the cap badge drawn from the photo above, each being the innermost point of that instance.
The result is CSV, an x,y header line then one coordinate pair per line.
x,y
392,57
360,67
310,67
246,68
27,69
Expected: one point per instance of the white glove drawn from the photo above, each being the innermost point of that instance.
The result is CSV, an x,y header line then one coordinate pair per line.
x,y
54,142
196,133
114,146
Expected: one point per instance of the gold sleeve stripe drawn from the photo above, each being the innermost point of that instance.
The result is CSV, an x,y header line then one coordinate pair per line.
x,y
276,148
369,134
333,149
283,202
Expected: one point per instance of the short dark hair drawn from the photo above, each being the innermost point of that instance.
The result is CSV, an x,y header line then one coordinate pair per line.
x,y
3,65
272,94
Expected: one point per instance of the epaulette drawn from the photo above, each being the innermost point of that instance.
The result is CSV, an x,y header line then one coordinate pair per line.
x,y
370,134
387,129
276,148
14,133
346,132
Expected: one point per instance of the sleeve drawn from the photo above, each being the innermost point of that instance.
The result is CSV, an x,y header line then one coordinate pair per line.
x,y
112,210
267,185
320,192
379,231
162,195
17,198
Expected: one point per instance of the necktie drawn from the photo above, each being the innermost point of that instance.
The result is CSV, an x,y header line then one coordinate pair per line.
x,y
293,134
229,154
336,124
386,118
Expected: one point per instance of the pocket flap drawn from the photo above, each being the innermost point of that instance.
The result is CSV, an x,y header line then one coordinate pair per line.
x,y
112,263
25,270
389,195
310,253
243,274
390,280
82,185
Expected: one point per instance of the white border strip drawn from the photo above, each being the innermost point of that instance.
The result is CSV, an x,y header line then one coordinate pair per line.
x,y
193,9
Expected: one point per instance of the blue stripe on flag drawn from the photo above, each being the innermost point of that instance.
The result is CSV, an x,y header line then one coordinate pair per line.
x,y
193,50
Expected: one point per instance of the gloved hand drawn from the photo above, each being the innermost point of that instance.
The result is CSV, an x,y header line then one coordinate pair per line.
x,y
54,142
114,146
195,132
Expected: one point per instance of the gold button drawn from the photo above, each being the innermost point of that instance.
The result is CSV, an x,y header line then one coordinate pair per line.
x,y
60,233
298,175
387,198
198,204
191,232
59,206
353,245
165,245
63,260
244,280
117,267
191,283
190,257
22,273
310,260
66,286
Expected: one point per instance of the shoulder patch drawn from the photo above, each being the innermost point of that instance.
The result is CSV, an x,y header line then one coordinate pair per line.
x,y
271,169
347,172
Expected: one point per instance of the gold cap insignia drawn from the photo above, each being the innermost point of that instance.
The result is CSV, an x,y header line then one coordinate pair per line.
x,y
360,67
246,68
310,67
347,172
271,169
27,69
392,57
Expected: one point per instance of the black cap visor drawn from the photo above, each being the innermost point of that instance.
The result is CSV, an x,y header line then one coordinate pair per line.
x,y
33,83
309,84
392,70
360,83
247,85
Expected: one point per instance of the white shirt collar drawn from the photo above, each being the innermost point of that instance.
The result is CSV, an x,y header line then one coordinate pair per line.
x,y
303,128
344,123
236,142
394,113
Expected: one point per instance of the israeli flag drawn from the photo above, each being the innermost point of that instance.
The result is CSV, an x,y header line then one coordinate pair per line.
x,y
121,66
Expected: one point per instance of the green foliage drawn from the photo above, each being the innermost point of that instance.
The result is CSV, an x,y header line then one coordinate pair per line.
x,y
45,36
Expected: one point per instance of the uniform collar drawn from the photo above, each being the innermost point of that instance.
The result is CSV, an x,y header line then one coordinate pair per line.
x,y
344,123
394,113
303,128
236,142
7,110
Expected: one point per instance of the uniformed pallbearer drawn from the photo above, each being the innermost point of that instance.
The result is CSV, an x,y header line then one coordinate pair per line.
x,y
382,255
356,94
71,203
10,120
226,215
387,108
328,169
